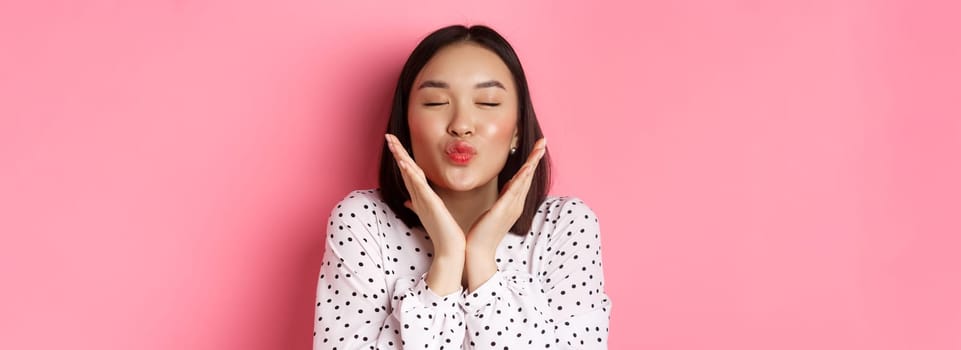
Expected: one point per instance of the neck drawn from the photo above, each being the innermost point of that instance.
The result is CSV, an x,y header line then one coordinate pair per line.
x,y
467,206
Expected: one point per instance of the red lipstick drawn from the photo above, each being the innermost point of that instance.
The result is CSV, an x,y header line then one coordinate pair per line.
x,y
460,152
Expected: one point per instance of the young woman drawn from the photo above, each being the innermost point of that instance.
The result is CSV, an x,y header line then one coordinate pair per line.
x,y
461,247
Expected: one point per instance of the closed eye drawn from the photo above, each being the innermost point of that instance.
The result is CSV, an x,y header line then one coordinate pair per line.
x,y
489,104
431,104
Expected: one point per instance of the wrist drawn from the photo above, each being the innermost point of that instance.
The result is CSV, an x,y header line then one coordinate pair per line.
x,y
445,274
450,251
476,249
478,268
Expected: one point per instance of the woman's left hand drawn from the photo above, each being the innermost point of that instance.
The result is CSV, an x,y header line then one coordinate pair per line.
x,y
488,231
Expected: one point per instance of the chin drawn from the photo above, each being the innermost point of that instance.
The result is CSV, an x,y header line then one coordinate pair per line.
x,y
459,186
463,179
464,183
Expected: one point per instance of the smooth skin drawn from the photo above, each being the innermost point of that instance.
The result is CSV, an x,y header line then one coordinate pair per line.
x,y
465,92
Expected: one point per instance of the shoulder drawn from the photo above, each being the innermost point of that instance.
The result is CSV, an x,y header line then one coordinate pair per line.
x,y
565,224
360,197
562,218
565,208
361,214
360,204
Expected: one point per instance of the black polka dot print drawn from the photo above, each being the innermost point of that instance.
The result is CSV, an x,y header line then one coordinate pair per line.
x,y
548,291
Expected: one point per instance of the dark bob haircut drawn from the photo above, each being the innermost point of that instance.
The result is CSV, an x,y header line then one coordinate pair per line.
x,y
392,187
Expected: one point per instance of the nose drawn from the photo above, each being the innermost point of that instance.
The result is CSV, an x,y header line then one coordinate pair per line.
x,y
462,124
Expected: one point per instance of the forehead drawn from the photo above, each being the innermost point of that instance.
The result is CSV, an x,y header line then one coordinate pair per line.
x,y
464,64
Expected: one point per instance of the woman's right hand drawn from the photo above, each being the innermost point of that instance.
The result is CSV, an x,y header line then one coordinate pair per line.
x,y
446,234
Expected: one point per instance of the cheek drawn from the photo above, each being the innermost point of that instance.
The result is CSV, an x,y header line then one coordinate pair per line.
x,y
420,124
500,129
425,122
424,133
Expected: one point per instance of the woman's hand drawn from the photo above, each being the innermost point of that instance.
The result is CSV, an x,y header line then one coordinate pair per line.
x,y
446,269
438,222
491,227
488,231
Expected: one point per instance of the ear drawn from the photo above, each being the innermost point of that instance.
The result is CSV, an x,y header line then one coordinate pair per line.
x,y
515,139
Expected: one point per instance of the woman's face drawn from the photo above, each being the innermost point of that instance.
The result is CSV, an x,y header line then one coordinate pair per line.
x,y
463,117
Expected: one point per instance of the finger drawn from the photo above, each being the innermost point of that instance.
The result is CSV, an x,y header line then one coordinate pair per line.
x,y
405,175
510,183
538,155
522,184
415,181
409,182
519,185
540,147
526,172
530,165
527,180
398,148
413,175
533,160
390,145
394,147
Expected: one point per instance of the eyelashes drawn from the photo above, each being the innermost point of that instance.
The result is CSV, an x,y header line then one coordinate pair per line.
x,y
488,104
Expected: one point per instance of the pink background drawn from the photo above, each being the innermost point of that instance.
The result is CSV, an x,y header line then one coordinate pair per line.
x,y
769,175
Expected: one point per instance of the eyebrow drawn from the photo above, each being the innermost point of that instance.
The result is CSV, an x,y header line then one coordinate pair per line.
x,y
443,85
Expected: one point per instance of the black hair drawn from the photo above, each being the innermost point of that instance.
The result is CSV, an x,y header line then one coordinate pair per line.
x,y
392,187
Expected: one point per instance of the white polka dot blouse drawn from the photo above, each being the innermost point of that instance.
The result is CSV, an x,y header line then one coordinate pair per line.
x,y
548,291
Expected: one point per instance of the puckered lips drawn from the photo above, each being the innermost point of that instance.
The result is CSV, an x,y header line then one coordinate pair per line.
x,y
460,152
